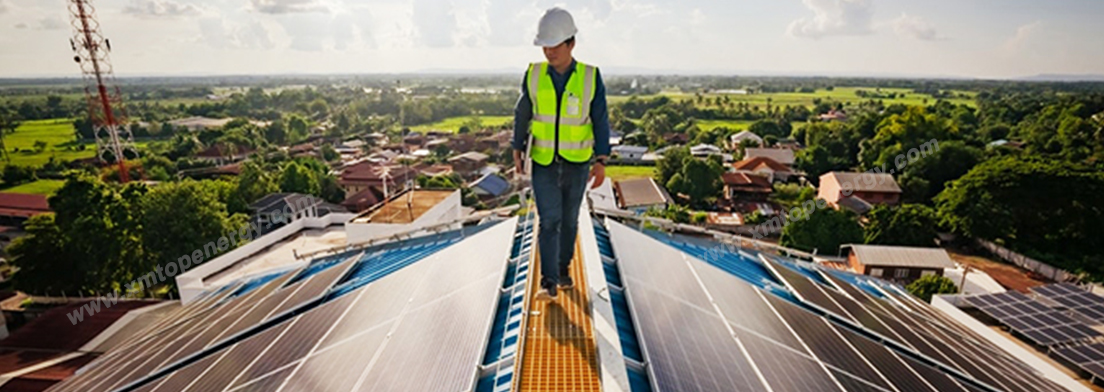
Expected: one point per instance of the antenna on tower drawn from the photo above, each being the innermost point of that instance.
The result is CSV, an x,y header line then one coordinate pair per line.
x,y
114,143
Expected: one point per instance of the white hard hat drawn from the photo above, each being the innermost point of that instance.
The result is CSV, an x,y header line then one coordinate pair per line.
x,y
556,26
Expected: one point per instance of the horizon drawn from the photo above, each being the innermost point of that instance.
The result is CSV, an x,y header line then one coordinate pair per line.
x,y
984,39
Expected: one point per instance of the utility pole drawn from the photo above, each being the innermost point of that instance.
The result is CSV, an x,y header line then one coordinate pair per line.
x,y
962,285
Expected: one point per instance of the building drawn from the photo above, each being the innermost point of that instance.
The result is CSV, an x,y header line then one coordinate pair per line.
x,y
746,187
363,200
455,311
360,176
468,163
872,188
641,194
490,186
278,209
221,154
630,153
736,139
833,115
200,123
901,264
780,155
406,211
765,167
16,208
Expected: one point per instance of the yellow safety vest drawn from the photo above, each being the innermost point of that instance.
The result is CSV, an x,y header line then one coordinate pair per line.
x,y
575,138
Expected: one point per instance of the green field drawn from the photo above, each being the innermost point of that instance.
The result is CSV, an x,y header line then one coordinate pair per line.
x,y
40,187
839,94
453,124
60,141
618,173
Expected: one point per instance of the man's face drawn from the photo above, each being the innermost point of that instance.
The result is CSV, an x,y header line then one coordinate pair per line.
x,y
559,55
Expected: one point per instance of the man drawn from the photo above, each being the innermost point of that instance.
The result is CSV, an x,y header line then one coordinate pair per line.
x,y
563,107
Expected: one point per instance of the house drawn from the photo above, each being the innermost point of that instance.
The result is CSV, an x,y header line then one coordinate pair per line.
x,y
872,188
746,187
356,178
222,154
780,155
468,162
615,138
16,208
704,150
901,264
766,167
409,210
833,115
676,138
435,170
490,186
736,139
200,123
363,200
463,142
641,194
630,153
278,209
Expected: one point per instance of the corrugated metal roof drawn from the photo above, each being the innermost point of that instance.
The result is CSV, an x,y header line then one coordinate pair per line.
x,y
864,182
902,256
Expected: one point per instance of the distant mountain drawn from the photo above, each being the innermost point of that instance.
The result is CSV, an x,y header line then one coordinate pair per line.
x,y
1064,78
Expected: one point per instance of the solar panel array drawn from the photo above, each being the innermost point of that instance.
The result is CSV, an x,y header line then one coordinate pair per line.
x,y
1037,322
1088,357
1087,304
431,316
704,329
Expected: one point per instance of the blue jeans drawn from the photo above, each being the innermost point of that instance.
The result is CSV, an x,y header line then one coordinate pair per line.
x,y
558,189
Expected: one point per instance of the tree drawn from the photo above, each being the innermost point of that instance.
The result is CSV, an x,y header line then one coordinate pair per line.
x,y
930,285
254,182
823,231
181,217
17,174
900,132
926,177
298,179
905,225
1048,209
776,128
329,153
697,180
43,265
674,213
39,145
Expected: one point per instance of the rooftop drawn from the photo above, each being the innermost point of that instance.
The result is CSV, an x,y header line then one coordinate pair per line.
x,y
864,182
640,192
902,256
753,164
780,155
405,207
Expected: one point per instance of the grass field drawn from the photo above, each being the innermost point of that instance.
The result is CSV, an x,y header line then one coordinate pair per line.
x,y
453,124
618,173
839,94
40,187
60,141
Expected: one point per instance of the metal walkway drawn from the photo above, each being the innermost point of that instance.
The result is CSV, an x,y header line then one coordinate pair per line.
x,y
559,353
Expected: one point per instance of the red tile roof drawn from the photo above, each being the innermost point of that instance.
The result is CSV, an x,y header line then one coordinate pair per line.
x,y
19,204
52,330
751,164
748,182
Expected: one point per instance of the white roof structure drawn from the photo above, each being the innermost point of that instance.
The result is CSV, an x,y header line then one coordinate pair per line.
x,y
902,256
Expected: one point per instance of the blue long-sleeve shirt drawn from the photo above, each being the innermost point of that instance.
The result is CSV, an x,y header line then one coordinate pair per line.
x,y
599,112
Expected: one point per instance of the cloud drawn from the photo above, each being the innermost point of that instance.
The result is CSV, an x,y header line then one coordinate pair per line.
x,y
1023,33
21,26
3,7
435,23
288,6
833,18
52,23
914,27
160,9
251,35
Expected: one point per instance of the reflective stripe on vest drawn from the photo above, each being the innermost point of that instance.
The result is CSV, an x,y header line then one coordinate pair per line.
x,y
576,133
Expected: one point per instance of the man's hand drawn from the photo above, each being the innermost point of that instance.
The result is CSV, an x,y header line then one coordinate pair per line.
x,y
598,174
519,164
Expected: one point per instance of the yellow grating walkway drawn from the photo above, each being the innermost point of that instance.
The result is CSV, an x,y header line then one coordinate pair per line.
x,y
559,352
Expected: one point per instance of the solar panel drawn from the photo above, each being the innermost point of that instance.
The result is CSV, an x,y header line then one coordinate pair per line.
x,y
825,343
852,384
887,363
339,367
807,290
743,306
1088,305
1040,324
784,369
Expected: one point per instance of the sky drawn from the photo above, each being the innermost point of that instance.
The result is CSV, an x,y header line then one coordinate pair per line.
x,y
922,38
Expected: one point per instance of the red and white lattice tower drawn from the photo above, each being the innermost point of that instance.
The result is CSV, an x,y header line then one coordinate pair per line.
x,y
114,143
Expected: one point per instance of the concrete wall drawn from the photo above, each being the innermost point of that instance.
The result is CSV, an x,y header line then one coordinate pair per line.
x,y
191,283
447,210
945,304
